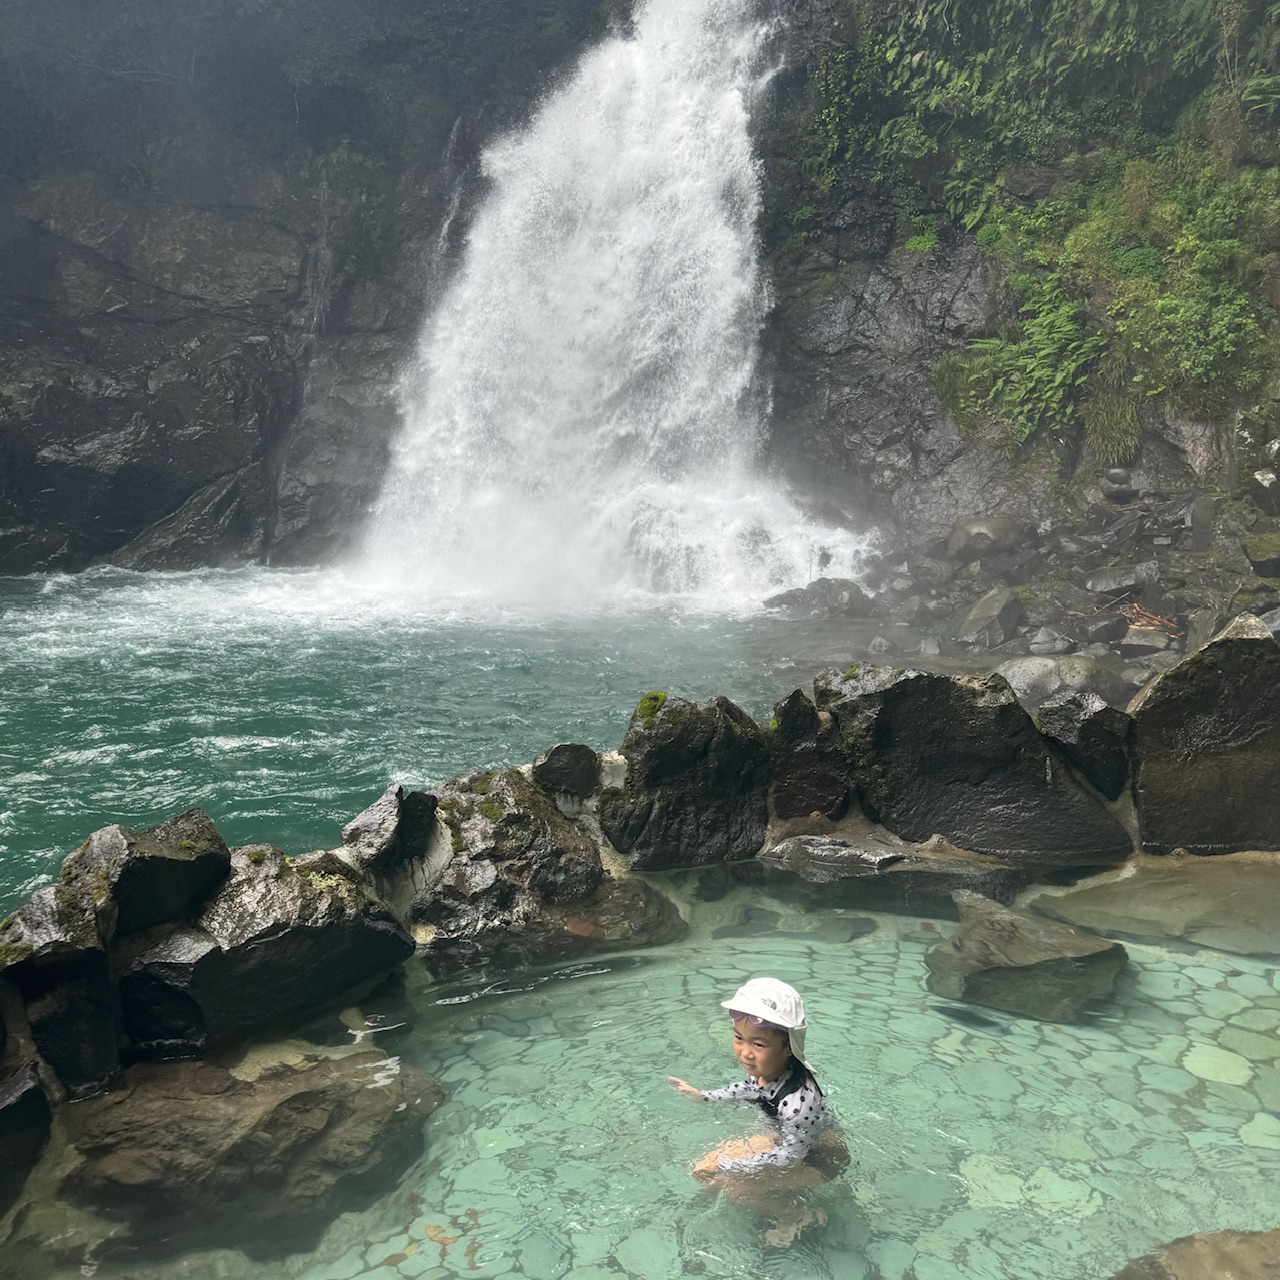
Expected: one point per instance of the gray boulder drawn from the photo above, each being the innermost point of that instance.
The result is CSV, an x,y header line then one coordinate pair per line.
x,y
695,791
150,877
1230,903
397,828
992,620
1010,960
1207,737
1095,737
981,536
192,1155
958,757
1123,579
571,769
276,942
507,853
1039,679
823,597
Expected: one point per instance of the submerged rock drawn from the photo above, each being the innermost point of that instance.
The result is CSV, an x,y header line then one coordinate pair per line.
x,y
1207,735
1010,960
876,872
1213,1255
277,941
695,791
823,597
260,1157
958,757
1230,903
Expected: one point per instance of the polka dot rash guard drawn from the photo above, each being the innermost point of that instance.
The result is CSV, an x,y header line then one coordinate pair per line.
x,y
801,1117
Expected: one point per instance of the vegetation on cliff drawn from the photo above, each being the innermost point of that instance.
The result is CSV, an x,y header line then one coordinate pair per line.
x,y
1121,159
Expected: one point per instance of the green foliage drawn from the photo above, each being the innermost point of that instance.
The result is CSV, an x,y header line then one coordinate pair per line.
x,y
924,242
649,706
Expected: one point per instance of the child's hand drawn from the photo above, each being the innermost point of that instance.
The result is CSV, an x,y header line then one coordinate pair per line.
x,y
683,1086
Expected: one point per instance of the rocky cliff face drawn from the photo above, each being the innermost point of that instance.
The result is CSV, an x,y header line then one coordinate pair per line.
x,y
214,270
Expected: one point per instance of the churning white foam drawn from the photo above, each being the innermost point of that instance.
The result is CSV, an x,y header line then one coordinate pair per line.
x,y
585,410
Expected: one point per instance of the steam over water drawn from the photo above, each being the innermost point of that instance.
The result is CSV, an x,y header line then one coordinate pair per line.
x,y
585,410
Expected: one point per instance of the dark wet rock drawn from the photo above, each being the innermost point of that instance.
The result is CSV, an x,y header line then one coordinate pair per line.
x,y
914,611
52,953
571,768
277,941
154,876
958,757
1207,735
808,770
992,620
1095,737
1038,679
621,914
695,791
1270,620
835,597
981,536
1214,1255
25,1116
876,872
509,853
395,829
1123,579
261,1157
1011,960
1230,903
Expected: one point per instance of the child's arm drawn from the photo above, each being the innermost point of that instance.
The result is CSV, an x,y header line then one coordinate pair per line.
x,y
683,1086
737,1092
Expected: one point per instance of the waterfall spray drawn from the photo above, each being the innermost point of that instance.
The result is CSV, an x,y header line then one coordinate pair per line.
x,y
585,410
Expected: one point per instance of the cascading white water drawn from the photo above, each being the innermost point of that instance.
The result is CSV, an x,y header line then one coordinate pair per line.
x,y
585,411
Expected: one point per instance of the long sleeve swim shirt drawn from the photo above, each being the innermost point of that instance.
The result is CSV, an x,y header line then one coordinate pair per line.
x,y
801,1117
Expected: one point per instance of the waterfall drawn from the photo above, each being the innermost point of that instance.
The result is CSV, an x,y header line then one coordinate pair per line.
x,y
585,408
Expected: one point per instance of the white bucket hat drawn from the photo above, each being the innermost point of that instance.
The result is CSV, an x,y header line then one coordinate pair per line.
x,y
773,1002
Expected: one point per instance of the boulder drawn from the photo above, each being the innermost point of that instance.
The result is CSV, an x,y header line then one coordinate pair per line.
x,y
510,852
1213,1255
1120,580
877,872
1039,679
25,1116
958,757
695,790
981,536
570,769
395,829
825,597
52,953
260,1156
1207,739
1263,550
150,877
808,772
1095,737
1230,903
276,942
992,620
1011,960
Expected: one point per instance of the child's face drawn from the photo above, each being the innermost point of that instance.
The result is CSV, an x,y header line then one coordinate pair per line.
x,y
763,1051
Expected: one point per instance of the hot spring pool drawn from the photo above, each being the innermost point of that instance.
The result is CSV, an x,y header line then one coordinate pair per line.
x,y
985,1147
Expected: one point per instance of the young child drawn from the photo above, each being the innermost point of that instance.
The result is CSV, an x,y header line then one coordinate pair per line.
x,y
800,1146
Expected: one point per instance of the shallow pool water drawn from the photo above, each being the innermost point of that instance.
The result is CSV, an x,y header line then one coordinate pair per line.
x,y
986,1147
